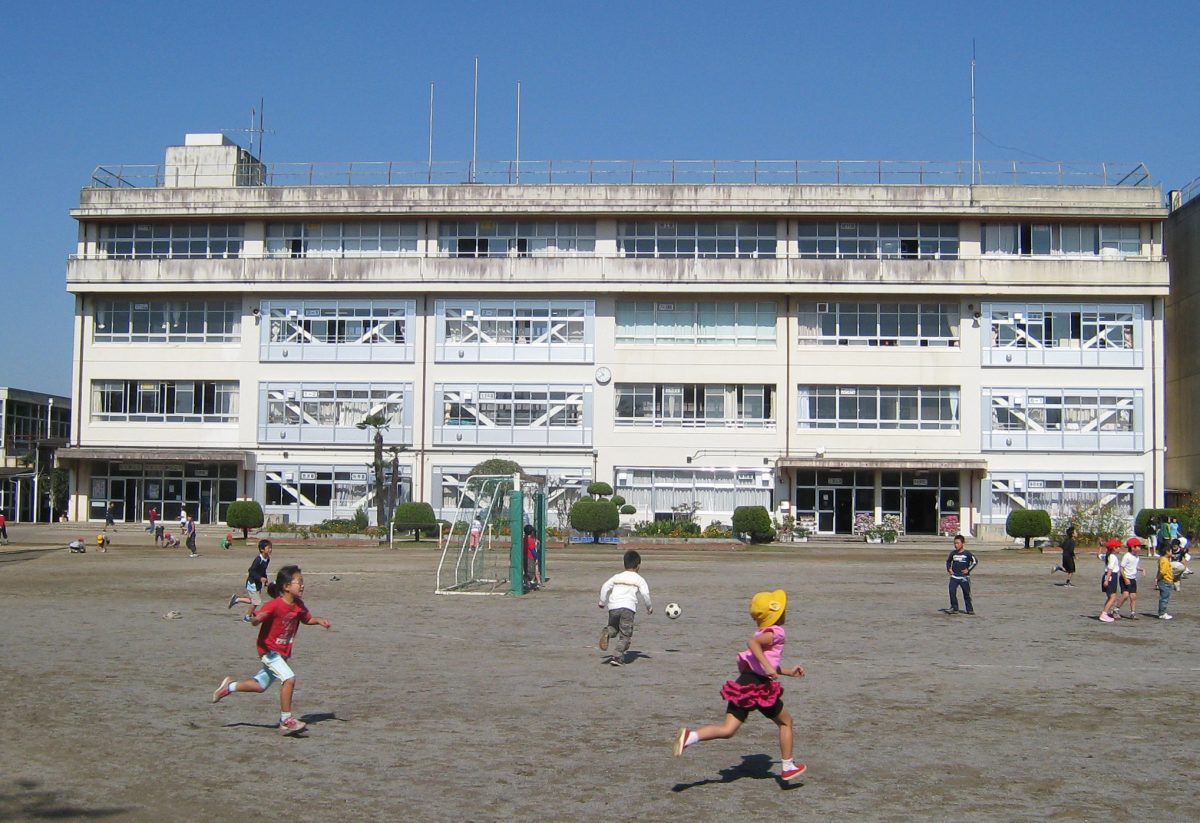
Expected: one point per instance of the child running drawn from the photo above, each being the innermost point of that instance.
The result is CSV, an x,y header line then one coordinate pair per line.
x,y
277,622
256,580
619,595
757,684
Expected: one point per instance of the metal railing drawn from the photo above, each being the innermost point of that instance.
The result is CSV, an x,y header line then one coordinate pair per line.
x,y
648,172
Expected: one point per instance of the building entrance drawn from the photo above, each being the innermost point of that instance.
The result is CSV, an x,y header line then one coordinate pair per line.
x,y
835,511
920,511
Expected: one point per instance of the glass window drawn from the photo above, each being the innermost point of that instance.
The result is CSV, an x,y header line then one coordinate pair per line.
x,y
687,323
167,321
171,240
520,238
695,405
879,324
878,407
878,240
165,401
697,238
351,239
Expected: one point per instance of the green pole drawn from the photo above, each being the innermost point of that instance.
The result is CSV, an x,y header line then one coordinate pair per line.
x,y
539,503
516,571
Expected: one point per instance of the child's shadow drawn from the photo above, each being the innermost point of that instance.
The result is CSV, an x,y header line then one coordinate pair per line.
x,y
309,719
755,766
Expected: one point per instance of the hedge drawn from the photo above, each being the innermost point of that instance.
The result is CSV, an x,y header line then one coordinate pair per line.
x,y
244,515
754,521
1028,523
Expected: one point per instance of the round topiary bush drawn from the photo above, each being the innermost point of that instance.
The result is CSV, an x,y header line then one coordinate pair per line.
x,y
415,517
1028,523
754,521
617,500
594,516
599,489
628,509
244,515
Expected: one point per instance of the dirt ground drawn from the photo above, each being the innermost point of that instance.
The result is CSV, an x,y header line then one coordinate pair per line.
x,y
500,708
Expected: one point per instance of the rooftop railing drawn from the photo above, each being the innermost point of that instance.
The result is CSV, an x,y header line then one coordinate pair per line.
x,y
645,172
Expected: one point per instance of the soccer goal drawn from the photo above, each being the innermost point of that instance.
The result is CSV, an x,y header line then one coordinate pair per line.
x,y
482,551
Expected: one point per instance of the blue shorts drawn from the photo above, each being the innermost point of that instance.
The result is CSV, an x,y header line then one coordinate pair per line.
x,y
275,667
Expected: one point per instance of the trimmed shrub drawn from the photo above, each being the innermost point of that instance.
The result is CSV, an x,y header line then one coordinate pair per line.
x,y
415,517
754,521
498,465
625,507
618,501
599,489
244,515
594,516
1028,523
1141,523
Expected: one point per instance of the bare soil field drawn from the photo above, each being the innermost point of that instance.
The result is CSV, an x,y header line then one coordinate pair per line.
x,y
437,708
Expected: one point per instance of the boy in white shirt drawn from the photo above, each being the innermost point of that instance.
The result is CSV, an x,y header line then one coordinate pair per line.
x,y
619,595
1129,574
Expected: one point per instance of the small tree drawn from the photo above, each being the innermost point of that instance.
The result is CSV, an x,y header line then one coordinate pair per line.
x,y
1028,523
617,500
60,486
498,465
628,509
244,515
378,422
754,521
594,516
599,489
416,516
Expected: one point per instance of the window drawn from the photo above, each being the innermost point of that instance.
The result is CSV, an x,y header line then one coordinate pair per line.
x,y
878,324
843,240
1061,494
1036,419
171,240
1043,239
929,408
164,321
169,401
695,405
337,330
703,323
358,239
308,493
1062,334
330,413
713,491
519,415
697,238
523,330
516,238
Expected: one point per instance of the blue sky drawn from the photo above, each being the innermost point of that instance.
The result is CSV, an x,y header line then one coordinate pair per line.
x,y
91,83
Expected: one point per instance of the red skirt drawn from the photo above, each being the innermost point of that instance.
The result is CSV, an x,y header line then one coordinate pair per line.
x,y
752,691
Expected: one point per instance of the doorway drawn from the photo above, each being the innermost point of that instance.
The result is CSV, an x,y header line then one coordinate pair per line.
x,y
123,494
835,511
920,511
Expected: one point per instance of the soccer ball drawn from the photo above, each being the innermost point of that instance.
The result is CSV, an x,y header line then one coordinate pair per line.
x,y
673,610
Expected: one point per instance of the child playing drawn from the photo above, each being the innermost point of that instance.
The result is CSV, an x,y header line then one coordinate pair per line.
x,y
170,541
227,541
757,684
277,621
102,542
620,595
1165,581
256,580
533,571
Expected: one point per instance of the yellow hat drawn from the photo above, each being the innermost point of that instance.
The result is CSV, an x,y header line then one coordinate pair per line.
x,y
767,607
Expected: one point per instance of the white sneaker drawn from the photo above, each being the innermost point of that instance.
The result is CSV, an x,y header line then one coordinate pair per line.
x,y
1165,617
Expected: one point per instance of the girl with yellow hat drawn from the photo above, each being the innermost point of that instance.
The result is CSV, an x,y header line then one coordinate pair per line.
x,y
757,684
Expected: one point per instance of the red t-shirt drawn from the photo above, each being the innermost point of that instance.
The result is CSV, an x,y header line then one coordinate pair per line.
x,y
278,629
530,546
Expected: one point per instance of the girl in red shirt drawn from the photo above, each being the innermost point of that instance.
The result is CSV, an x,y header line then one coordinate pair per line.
x,y
278,621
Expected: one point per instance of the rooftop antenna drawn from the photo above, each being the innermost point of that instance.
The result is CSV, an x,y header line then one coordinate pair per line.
x,y
972,111
429,176
256,128
518,131
475,123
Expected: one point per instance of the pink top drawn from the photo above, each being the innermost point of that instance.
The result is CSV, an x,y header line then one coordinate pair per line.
x,y
772,650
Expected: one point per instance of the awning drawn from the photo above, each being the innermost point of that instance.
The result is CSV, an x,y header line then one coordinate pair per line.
x,y
932,464
134,454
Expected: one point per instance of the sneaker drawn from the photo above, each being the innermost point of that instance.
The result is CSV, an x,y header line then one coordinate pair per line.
x,y
970,611
1165,617
794,772
245,618
1175,585
194,554
1106,618
1115,615
1057,569
617,661
1132,616
1069,583
292,726
604,639
232,601
680,739
222,690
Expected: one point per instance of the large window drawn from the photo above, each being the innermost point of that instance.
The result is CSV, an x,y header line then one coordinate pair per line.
x,y
347,330
1069,239
515,330
699,323
358,239
871,240
878,324
1061,494
167,321
564,486
1091,420
517,415
171,240
1062,334
516,238
305,493
697,238
165,401
933,408
331,412
695,405
715,492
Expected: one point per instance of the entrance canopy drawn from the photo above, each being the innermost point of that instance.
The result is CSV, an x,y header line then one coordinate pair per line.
x,y
884,463
156,455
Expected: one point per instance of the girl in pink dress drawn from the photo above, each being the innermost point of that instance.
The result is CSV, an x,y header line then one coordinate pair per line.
x,y
757,684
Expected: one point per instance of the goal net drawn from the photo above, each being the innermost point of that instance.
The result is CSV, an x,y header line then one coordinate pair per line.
x,y
477,549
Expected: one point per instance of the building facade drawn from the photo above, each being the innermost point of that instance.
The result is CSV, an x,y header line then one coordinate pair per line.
x,y
35,425
1183,342
853,340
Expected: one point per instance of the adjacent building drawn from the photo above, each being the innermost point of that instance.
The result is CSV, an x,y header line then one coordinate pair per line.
x,y
1183,343
35,425
851,339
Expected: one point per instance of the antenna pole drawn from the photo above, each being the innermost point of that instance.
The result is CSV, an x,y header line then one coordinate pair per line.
x,y
972,112
429,174
262,107
475,123
518,131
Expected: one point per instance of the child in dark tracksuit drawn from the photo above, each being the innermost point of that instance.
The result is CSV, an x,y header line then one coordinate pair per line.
x,y
959,564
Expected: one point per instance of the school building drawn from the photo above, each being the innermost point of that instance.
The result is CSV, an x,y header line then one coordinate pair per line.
x,y
34,425
933,341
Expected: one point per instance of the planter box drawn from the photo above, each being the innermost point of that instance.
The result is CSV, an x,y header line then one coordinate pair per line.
x,y
873,539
